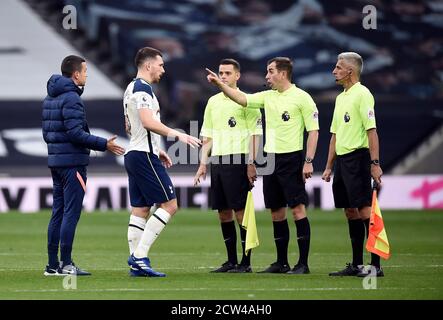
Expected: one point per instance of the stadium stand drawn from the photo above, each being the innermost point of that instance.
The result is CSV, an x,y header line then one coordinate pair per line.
x,y
403,56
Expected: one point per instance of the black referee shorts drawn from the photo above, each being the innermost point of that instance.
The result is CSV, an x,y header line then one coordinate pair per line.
x,y
229,184
352,180
285,186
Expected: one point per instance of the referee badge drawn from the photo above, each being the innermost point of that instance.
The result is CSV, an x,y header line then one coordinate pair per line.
x,y
259,123
232,122
371,114
285,116
347,118
315,115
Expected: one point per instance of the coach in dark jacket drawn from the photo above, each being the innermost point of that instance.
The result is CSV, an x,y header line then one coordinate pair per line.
x,y
69,141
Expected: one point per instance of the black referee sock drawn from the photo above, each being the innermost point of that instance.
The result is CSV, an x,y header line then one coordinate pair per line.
x,y
230,237
281,238
375,259
357,235
303,239
246,259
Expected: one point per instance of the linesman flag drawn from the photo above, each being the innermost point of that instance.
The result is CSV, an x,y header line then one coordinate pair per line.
x,y
249,224
377,239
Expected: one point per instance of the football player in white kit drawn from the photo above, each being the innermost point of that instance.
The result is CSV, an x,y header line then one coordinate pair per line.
x,y
145,163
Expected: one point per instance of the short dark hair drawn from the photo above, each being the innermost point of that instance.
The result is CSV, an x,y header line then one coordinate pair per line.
x,y
145,53
70,64
233,62
283,64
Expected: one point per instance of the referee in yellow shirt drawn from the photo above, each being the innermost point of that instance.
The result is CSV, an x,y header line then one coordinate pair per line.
x,y
354,148
289,111
230,133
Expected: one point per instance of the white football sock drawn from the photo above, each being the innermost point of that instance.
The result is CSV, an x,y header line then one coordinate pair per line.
x,y
135,231
153,227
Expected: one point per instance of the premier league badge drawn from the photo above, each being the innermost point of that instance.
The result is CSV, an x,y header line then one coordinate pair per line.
x,y
232,123
285,116
347,118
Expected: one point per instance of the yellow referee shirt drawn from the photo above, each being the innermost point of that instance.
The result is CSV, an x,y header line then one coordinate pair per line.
x,y
288,114
353,116
229,125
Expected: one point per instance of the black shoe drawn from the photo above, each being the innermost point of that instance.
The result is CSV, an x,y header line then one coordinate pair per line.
x,y
276,267
349,271
371,271
225,267
241,268
299,269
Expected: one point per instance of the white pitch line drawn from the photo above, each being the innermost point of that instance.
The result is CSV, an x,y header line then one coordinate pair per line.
x,y
216,289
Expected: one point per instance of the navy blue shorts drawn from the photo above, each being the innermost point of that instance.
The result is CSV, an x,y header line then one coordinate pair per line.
x,y
149,183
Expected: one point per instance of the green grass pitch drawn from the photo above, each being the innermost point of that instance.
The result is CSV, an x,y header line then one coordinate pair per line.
x,y
192,245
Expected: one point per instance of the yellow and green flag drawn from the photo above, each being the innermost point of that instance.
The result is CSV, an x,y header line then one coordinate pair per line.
x,y
250,225
377,239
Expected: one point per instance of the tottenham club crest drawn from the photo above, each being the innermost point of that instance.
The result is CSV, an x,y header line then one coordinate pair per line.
x,y
347,118
285,116
232,123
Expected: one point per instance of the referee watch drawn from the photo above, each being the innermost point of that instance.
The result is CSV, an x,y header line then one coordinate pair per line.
x,y
308,160
375,162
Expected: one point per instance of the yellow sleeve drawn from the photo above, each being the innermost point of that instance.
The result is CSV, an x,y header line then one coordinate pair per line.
x,y
310,113
256,100
206,130
367,112
254,121
334,128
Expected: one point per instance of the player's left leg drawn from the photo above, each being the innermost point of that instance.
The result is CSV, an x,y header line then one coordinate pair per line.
x,y
235,183
365,213
74,188
155,186
245,263
230,239
281,239
303,239
291,179
53,266
154,226
136,226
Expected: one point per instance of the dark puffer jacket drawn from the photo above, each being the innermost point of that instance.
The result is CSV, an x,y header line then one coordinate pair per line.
x,y
65,129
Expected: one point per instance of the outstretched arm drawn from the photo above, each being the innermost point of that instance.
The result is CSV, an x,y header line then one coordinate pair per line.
x,y
153,125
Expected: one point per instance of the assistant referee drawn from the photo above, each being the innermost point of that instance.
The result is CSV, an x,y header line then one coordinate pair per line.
x,y
288,111
231,133
354,147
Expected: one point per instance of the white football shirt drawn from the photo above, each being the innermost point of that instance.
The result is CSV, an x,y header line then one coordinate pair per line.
x,y
139,95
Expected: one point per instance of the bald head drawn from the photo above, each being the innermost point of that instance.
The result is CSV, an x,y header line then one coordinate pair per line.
x,y
354,60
